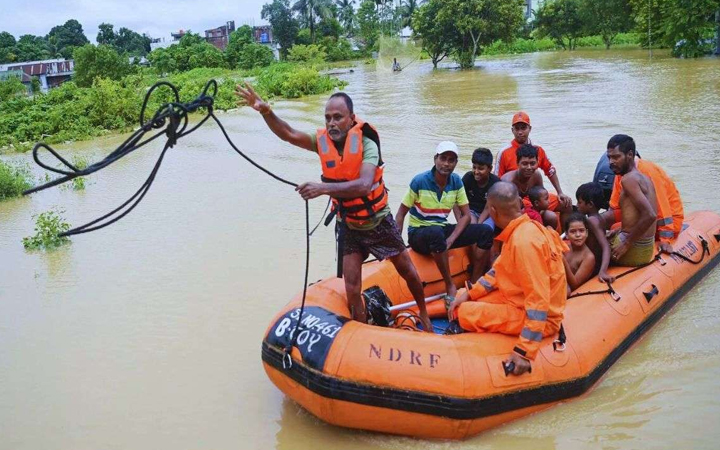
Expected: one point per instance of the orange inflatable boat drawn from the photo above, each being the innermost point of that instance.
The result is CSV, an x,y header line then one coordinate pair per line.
x,y
451,387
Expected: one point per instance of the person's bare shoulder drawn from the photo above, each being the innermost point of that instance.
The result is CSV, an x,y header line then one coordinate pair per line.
x,y
509,176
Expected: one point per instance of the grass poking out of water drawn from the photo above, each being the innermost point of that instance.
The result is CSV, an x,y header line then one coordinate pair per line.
x,y
14,179
48,226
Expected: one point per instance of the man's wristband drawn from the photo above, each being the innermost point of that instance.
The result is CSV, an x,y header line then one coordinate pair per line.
x,y
269,110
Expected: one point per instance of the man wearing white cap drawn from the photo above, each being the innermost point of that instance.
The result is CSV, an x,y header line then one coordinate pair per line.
x,y
430,199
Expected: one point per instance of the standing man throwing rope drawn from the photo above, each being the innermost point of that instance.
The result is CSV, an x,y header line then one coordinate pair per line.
x,y
352,169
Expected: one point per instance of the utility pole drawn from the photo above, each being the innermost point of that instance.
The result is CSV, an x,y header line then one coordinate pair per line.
x,y
649,27
717,32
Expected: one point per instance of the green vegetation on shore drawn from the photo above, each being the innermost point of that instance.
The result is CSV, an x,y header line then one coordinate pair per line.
x,y
70,113
522,45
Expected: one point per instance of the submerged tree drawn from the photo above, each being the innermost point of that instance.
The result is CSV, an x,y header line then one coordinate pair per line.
x,y
437,35
607,18
562,21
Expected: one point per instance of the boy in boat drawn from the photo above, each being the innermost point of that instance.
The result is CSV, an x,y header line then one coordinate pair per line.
x,y
633,244
524,294
525,177
431,197
579,261
539,199
352,169
477,183
507,159
589,197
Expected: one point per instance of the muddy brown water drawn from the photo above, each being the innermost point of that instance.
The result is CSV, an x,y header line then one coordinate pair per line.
x,y
146,334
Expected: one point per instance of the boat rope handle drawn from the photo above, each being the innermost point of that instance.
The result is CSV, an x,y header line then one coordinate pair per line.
x,y
171,119
658,257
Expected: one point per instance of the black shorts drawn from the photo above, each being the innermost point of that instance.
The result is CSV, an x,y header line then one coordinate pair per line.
x,y
432,239
384,241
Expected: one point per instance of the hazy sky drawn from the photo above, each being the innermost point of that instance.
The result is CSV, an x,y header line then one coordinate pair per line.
x,y
154,17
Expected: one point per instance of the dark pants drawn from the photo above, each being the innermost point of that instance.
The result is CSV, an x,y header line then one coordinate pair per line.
x,y
432,239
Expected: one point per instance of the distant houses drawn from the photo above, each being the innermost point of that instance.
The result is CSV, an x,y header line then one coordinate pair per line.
x,y
53,72
50,72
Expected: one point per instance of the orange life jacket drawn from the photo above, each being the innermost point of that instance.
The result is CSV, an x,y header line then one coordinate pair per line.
x,y
336,169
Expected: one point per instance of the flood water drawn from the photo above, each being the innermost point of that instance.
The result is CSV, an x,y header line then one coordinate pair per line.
x,y
146,334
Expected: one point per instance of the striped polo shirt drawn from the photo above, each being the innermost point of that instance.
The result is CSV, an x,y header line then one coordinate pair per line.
x,y
428,206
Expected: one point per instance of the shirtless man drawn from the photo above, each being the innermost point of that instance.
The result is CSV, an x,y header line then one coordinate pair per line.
x,y
634,244
526,176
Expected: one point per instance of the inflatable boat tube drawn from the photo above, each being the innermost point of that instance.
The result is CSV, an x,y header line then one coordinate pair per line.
x,y
426,385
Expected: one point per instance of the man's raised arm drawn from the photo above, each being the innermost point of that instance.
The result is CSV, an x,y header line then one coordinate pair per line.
x,y
249,97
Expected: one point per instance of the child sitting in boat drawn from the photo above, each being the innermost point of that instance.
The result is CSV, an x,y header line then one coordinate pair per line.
x,y
579,261
540,201
589,197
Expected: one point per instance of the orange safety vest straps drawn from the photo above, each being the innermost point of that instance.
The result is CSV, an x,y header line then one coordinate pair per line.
x,y
336,169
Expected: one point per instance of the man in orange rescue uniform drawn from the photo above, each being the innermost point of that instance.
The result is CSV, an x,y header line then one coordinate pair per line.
x,y
670,212
525,291
507,160
352,170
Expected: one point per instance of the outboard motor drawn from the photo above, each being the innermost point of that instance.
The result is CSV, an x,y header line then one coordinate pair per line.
x,y
605,177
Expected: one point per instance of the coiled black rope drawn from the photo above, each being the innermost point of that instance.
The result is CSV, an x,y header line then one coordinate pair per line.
x,y
171,119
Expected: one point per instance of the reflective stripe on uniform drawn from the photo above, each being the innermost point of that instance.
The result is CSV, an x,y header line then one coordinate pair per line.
x,y
530,335
354,143
534,314
324,144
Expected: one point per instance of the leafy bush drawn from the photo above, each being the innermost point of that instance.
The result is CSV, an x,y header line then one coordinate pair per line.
x,y
12,87
286,80
99,62
13,180
48,226
80,162
255,55
307,54
303,37
337,49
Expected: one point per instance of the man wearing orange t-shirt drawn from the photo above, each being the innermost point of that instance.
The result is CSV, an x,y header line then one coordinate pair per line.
x,y
507,159
524,293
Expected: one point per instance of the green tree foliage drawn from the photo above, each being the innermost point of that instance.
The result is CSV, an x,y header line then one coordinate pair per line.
x,y
238,40
99,62
7,48
307,54
255,55
689,25
606,18
436,31
407,11
337,49
285,27
310,10
368,22
479,23
329,27
303,37
124,41
346,15
64,39
190,53
32,48
562,21
10,88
